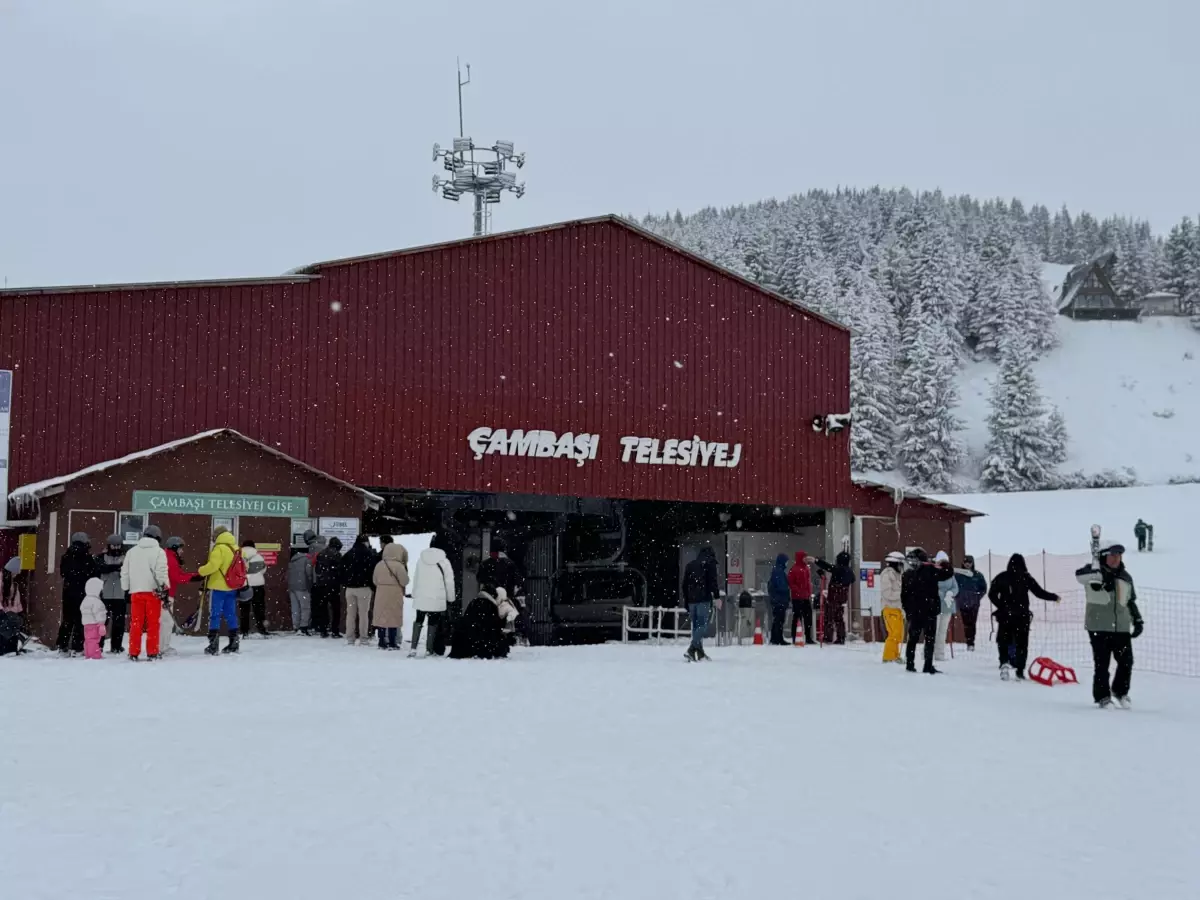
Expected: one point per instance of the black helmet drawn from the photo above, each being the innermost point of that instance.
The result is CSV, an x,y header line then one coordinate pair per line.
x,y
153,531
174,543
918,554
80,537
114,540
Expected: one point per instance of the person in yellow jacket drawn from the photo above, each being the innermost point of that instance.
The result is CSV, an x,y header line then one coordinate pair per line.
x,y
222,599
893,612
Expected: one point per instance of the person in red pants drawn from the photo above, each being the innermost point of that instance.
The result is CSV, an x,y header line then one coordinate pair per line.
x,y
145,576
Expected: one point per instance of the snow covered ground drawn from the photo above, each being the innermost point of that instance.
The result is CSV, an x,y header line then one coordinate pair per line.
x,y
1130,393
1059,522
306,769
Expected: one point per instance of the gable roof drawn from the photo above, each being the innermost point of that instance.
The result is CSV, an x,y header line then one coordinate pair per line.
x,y
1078,276
30,493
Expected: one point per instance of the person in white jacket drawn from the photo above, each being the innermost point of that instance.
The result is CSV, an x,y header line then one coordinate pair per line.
x,y
893,611
256,585
947,592
433,590
93,613
144,576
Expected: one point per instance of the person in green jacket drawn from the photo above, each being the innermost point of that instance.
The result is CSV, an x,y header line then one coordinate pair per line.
x,y
1112,620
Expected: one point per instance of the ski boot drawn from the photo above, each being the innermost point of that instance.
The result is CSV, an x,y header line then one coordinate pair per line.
x,y
154,657
909,667
1106,703
1124,702
214,641
133,657
1019,674
701,656
234,643
930,670
1005,672
690,655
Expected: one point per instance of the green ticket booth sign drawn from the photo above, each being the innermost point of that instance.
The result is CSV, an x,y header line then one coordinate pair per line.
x,y
219,504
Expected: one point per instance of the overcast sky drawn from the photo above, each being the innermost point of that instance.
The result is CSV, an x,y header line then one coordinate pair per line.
x,y
163,139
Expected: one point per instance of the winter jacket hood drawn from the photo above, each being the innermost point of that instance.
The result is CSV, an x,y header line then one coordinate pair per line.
x,y
800,578
92,610
220,558
433,581
144,570
778,588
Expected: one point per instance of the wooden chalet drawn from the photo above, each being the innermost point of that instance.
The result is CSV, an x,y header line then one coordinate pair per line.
x,y
1088,293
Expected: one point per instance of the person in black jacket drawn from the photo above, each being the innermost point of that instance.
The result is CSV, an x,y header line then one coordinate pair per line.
x,y
700,591
327,588
1010,596
922,602
77,566
837,596
499,570
358,570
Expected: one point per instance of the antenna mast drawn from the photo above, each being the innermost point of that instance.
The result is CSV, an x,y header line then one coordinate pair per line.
x,y
485,178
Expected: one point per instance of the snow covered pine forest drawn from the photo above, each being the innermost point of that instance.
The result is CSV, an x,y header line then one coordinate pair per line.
x,y
927,283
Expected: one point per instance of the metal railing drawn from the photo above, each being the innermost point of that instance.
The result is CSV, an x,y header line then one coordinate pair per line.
x,y
650,622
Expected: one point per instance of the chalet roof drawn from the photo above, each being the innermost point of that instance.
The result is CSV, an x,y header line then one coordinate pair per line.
x,y
1078,276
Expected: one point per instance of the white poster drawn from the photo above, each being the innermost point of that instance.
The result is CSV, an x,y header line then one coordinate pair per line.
x,y
735,563
345,530
6,380
868,588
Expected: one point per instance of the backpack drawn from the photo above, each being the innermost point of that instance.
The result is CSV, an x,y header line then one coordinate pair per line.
x,y
235,575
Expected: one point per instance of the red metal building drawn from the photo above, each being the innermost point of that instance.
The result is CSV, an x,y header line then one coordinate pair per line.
x,y
378,369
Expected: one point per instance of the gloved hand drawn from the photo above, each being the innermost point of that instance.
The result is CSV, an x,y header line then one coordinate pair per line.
x,y
166,602
1054,598
1110,583
1096,585
196,579
1138,627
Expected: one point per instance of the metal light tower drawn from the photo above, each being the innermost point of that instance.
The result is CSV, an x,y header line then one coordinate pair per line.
x,y
480,171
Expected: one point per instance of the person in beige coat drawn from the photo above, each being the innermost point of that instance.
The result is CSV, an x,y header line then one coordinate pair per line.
x,y
391,578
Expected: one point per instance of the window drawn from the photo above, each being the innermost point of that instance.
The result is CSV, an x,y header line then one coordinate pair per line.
x,y
228,522
130,527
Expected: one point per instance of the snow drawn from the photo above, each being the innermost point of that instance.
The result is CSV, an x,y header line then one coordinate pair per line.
x,y
1128,391
29,493
1059,522
307,769
1053,277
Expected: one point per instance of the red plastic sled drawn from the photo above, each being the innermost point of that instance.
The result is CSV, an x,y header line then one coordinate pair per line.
x,y
1046,671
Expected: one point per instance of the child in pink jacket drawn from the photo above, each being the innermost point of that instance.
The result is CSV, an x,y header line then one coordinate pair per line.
x,y
93,613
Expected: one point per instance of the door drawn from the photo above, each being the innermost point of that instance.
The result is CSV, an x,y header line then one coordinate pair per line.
x,y
541,568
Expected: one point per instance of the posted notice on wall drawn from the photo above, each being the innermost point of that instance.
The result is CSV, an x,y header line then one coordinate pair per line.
x,y
6,380
868,587
345,530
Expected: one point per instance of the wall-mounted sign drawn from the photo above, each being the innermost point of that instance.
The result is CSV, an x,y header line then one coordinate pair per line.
x,y
345,530
218,504
540,444
645,451
735,561
269,552
6,380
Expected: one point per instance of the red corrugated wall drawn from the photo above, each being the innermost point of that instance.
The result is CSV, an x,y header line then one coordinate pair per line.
x,y
587,327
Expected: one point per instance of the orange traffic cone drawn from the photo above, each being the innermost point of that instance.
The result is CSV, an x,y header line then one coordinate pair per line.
x,y
758,637
799,639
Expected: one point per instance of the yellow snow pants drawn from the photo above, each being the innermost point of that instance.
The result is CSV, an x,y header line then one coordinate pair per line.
x,y
893,621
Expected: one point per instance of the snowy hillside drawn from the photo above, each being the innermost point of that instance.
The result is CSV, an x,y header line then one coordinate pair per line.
x,y
1130,393
1059,521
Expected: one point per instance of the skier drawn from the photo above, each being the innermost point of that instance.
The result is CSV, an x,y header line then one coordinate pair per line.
x,y
890,593
780,594
390,578
115,600
300,586
433,592
1110,615
1140,531
947,592
358,566
222,598
800,586
1010,595
838,595
479,633
972,588
93,612
77,566
175,577
256,583
700,591
922,602
144,574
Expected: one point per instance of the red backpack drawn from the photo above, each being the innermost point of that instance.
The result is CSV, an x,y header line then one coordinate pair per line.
x,y
235,575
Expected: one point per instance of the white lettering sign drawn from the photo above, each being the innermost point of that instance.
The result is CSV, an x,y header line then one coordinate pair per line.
x,y
643,451
539,444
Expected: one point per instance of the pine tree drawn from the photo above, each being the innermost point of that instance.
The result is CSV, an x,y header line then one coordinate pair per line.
x,y
1182,246
872,373
1056,432
929,450
1020,452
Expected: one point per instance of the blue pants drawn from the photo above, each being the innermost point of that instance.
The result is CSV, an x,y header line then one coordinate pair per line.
x,y
387,637
224,604
700,613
